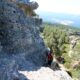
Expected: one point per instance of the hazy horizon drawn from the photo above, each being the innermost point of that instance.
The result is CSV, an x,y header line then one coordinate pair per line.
x,y
65,12
61,18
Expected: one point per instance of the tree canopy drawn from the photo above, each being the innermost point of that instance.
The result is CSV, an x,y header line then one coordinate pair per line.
x,y
55,38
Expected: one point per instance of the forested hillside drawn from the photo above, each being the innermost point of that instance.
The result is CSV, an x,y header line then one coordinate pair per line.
x,y
64,41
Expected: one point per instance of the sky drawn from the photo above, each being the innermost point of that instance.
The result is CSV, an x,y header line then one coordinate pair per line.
x,y
59,6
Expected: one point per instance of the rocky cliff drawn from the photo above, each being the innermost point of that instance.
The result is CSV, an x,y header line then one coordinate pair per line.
x,y
19,40
21,47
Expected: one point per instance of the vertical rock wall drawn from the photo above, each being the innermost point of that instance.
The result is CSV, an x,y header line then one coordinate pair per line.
x,y
21,47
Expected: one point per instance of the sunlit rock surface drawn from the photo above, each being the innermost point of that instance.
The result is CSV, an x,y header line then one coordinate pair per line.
x,y
46,74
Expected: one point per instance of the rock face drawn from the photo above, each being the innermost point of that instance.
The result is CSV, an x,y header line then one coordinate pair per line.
x,y
17,32
23,1
19,41
34,5
46,74
21,47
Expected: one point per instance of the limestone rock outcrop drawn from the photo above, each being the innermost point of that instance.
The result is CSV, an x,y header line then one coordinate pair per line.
x,y
46,74
19,41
